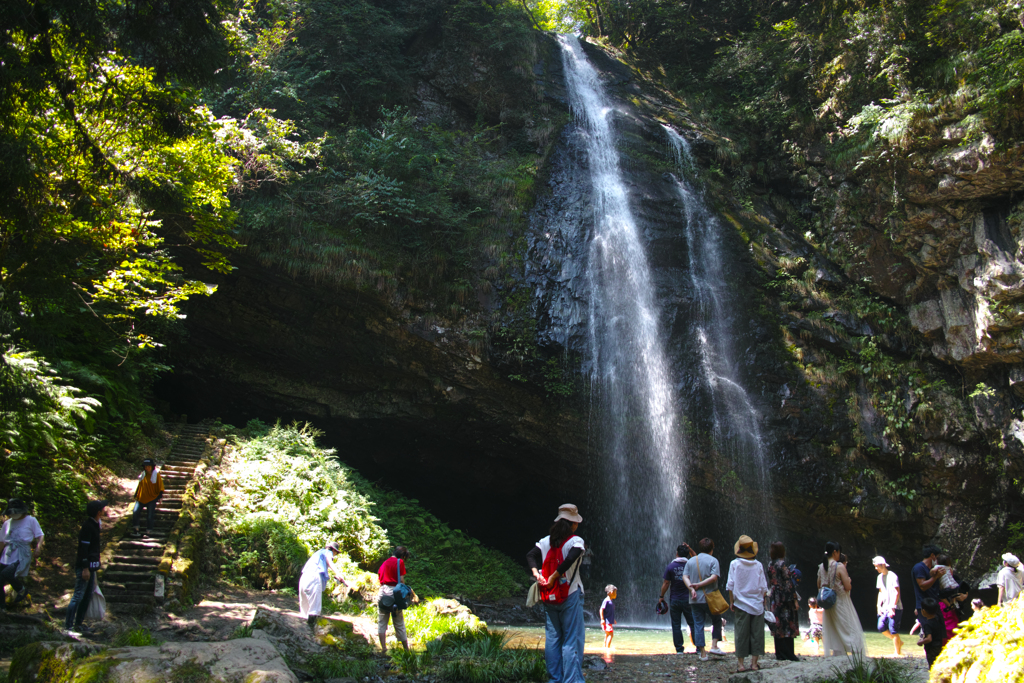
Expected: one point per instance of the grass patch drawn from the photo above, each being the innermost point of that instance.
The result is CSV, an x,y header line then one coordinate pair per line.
x,y
325,667
191,672
139,636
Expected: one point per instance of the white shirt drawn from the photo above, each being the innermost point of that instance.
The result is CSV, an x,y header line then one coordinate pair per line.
x,y
26,530
748,585
888,583
1010,581
574,542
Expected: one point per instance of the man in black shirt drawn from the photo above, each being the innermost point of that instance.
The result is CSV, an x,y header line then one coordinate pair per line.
x,y
87,563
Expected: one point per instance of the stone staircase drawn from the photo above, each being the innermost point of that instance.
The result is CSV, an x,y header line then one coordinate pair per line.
x,y
131,579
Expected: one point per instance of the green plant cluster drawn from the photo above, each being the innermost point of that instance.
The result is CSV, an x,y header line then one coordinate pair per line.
x,y
472,656
985,649
866,670
289,497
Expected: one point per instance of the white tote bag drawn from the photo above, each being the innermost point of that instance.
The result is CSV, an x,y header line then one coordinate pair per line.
x,y
97,606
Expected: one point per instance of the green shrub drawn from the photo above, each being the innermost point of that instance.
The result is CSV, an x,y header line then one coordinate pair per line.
x,y
986,649
266,552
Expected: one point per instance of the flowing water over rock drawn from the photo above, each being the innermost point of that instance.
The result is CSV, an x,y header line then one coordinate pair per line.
x,y
736,425
642,471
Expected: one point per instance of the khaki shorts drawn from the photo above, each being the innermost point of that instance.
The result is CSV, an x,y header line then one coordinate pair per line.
x,y
397,618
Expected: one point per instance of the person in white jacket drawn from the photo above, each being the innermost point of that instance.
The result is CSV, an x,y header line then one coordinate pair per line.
x,y
313,582
747,587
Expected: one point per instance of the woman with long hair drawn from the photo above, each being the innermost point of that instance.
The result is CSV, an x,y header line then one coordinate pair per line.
x,y
840,629
785,605
561,595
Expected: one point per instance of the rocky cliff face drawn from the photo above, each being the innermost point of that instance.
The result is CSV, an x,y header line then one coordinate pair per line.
x,y
881,345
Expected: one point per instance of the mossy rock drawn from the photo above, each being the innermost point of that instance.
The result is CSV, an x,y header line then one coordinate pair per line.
x,y
55,662
987,649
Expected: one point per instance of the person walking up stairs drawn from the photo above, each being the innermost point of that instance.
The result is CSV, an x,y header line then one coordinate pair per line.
x,y
130,579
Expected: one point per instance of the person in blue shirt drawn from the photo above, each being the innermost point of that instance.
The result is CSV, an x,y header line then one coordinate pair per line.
x,y
313,582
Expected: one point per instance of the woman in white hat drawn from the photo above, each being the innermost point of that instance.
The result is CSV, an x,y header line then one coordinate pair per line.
x,y
555,563
1010,579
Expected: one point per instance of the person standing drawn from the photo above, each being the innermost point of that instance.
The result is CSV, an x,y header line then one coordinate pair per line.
x,y
785,604
841,630
925,574
679,596
313,581
563,629
149,491
1010,579
747,588
608,614
390,574
87,563
700,576
889,605
21,542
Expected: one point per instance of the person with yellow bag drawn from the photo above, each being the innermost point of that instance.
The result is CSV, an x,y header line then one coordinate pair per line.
x,y
701,578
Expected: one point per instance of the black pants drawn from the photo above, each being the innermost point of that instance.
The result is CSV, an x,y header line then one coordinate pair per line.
x,y
784,649
7,576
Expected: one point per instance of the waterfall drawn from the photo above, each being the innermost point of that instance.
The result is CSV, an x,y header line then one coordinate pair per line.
x,y
638,522
737,436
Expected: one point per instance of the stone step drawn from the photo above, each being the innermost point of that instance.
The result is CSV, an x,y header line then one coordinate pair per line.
x,y
141,546
130,598
129,584
136,559
129,568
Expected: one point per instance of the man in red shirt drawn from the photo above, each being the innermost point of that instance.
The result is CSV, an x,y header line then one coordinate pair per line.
x,y
390,575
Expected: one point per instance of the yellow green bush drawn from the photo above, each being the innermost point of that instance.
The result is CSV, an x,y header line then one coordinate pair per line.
x,y
987,649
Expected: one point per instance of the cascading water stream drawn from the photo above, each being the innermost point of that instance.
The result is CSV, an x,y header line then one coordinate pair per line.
x,y
736,424
639,520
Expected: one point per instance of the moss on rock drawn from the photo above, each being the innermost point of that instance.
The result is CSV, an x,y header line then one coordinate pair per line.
x,y
987,649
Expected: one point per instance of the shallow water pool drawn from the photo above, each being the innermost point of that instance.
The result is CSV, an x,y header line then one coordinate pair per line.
x,y
656,641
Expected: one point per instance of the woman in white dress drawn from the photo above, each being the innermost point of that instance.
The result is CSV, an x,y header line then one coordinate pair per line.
x,y
841,631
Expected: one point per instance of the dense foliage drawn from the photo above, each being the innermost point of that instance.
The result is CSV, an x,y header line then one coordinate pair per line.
x,y
986,649
114,171
286,497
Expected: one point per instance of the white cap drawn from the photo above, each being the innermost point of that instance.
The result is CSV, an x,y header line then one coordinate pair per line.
x,y
1010,559
878,559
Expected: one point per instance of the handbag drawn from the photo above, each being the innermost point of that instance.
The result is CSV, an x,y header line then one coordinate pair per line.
x,y
716,603
826,596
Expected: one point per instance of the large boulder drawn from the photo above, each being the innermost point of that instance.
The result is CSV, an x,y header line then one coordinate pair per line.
x,y
246,660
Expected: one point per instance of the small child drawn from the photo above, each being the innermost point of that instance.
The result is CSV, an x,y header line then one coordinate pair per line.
x,y
977,604
608,615
815,615
933,630
947,584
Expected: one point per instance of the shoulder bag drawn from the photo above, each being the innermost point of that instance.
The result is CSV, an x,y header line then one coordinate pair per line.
x,y
716,603
826,595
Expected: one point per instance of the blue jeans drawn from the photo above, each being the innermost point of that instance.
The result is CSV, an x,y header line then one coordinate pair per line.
x,y
702,615
563,642
150,514
677,611
79,604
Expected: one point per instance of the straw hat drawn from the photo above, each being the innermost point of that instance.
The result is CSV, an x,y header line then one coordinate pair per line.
x,y
568,511
745,547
